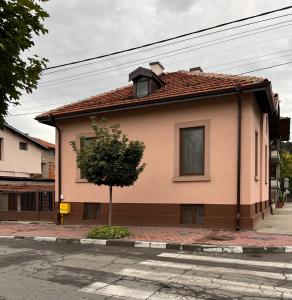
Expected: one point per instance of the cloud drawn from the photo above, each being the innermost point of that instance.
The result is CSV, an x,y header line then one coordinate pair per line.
x,y
86,28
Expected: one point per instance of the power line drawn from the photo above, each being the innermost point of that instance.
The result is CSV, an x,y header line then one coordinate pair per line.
x,y
251,71
159,46
183,50
170,39
266,68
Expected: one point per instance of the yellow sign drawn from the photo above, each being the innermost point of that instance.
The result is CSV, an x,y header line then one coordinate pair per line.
x,y
65,208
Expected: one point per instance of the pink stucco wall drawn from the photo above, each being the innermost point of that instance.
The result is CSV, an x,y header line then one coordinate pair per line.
x,y
155,127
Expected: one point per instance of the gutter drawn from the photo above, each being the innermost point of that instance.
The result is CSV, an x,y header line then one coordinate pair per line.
x,y
59,183
238,181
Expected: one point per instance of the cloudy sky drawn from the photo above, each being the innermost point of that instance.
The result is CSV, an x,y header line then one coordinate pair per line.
x,y
79,29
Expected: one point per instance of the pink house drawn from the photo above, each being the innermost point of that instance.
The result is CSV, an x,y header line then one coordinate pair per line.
x,y
207,140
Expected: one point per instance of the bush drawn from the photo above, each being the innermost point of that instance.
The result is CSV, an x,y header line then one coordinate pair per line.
x,y
106,232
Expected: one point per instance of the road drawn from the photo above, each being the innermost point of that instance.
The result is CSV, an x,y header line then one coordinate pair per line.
x,y
38,270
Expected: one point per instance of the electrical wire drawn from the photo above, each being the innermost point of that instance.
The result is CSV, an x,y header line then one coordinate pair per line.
x,y
172,38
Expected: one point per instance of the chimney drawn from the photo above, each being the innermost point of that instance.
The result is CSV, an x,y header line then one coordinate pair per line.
x,y
156,67
196,70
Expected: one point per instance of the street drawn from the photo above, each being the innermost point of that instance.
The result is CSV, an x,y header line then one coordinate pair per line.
x,y
40,270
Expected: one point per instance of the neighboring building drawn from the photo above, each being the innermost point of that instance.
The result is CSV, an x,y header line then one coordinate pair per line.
x,y
24,194
278,133
207,150
48,159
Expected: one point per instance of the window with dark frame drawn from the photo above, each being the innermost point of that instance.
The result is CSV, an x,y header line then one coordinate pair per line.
x,y
142,87
266,164
83,143
256,154
91,211
1,148
192,214
23,146
192,147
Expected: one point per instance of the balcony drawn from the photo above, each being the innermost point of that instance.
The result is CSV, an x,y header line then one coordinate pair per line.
x,y
275,157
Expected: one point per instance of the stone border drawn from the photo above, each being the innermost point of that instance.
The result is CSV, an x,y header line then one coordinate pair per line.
x,y
157,245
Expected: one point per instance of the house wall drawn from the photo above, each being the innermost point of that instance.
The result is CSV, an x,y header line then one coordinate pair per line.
x,y
156,197
16,162
48,164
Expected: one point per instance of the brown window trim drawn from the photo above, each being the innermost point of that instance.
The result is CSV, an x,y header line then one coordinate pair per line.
x,y
185,178
78,137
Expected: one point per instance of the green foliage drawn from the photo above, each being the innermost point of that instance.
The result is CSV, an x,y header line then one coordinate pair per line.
x,y
286,166
286,146
109,158
107,232
20,21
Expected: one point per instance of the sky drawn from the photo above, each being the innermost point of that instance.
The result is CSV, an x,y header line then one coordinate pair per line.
x,y
79,29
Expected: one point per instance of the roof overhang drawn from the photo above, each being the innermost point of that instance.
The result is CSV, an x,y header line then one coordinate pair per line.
x,y
24,136
262,93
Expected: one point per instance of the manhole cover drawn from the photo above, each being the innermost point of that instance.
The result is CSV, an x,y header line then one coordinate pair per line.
x,y
220,238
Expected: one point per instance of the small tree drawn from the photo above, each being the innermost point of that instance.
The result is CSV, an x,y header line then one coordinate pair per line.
x,y
109,158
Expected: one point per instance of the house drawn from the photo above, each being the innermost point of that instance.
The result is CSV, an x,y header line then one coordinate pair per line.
x,y
279,132
207,150
24,193
48,159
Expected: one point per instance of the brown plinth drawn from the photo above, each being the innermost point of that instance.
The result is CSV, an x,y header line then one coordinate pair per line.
x,y
215,215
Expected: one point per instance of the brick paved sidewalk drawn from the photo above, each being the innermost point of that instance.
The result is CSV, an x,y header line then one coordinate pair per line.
x,y
161,234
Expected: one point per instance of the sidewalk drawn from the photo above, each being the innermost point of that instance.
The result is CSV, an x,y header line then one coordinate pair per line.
x,y
280,222
160,234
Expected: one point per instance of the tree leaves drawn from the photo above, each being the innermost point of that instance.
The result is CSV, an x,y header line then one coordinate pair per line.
x,y
109,158
19,21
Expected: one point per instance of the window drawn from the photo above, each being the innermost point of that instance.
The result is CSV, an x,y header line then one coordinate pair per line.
x,y
51,152
266,164
85,142
192,151
142,87
28,201
1,148
23,146
273,172
91,211
256,155
4,202
45,201
192,214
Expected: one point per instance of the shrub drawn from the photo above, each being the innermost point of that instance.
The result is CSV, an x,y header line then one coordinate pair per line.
x,y
107,232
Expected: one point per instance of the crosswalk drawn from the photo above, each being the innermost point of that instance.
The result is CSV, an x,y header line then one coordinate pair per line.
x,y
187,277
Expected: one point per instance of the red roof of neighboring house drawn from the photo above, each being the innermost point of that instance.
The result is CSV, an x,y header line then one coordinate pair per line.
x,y
26,188
45,143
177,85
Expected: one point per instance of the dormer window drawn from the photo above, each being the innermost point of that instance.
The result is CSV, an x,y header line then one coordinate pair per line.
x,y
146,81
142,87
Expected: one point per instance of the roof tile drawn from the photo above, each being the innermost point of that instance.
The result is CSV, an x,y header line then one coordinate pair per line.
x,y
177,84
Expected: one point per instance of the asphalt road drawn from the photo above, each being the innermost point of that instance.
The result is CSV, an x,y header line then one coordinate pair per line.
x,y
38,270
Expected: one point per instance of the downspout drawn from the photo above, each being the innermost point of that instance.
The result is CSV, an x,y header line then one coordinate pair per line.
x,y
238,188
58,221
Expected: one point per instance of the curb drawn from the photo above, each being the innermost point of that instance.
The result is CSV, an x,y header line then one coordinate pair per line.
x,y
156,245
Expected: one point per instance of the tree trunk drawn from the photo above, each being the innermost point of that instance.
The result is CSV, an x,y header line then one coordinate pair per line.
x,y
110,206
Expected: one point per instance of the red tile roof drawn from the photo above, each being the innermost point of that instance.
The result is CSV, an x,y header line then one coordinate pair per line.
x,y
177,84
27,187
45,143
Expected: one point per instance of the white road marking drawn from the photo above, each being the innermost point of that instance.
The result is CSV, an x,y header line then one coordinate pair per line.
x,y
167,264
227,260
112,290
211,283
45,239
